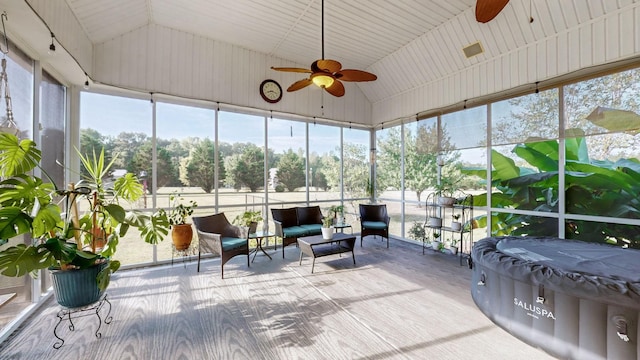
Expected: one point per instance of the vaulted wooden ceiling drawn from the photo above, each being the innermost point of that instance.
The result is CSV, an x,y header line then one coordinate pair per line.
x,y
221,50
406,43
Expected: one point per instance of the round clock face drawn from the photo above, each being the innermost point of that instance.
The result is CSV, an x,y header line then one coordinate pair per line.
x,y
270,91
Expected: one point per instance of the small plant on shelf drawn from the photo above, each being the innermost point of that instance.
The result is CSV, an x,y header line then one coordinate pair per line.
x,y
455,223
435,244
445,191
453,247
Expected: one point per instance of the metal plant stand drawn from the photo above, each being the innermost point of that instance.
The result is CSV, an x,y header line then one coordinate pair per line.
x,y
191,250
69,314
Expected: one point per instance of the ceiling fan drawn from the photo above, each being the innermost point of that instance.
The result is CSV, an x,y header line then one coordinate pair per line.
x,y
327,73
486,10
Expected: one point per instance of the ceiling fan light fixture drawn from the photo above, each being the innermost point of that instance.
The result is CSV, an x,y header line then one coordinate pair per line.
x,y
326,73
322,80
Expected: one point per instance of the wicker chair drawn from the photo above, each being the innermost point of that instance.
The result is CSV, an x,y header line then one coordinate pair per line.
x,y
374,220
217,236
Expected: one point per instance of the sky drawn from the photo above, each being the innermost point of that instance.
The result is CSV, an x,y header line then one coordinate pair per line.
x,y
111,115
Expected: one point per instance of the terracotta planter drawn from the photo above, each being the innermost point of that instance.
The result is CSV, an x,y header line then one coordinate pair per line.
x,y
181,236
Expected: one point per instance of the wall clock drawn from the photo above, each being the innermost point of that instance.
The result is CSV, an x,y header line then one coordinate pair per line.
x,y
270,91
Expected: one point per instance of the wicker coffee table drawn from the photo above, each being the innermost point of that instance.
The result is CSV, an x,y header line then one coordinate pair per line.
x,y
315,246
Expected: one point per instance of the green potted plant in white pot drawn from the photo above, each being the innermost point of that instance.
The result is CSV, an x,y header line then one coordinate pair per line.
x,y
453,246
456,225
436,243
327,228
445,191
63,242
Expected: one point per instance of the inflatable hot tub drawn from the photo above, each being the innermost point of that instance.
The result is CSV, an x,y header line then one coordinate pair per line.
x,y
573,299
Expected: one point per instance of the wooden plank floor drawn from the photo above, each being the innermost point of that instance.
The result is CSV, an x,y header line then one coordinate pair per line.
x,y
394,304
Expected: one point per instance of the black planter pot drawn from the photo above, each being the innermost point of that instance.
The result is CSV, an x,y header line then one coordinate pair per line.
x,y
77,288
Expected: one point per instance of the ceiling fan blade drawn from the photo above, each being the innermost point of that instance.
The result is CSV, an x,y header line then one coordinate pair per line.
x,y
291,69
299,85
326,65
486,10
337,89
355,75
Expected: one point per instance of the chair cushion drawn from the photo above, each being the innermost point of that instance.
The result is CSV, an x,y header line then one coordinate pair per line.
x,y
229,243
312,229
294,231
378,225
309,215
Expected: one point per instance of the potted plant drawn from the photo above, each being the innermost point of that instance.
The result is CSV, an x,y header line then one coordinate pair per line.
x,y
434,222
327,228
436,243
181,231
338,213
453,247
249,219
417,231
445,190
64,242
455,224
434,213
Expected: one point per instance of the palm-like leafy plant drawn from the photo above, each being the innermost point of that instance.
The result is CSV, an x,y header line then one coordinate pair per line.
x,y
593,187
28,206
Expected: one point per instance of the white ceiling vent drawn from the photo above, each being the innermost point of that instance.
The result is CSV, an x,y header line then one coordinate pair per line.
x,y
473,49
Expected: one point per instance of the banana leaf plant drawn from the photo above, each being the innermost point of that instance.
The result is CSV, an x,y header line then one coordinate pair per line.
x,y
593,187
60,239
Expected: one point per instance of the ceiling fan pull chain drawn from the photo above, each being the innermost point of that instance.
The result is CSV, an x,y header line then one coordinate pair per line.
x,y
322,18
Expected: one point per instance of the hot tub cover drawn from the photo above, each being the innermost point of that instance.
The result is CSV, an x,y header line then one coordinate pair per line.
x,y
599,272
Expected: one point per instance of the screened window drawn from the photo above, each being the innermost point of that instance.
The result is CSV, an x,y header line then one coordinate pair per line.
x,y
356,170
287,151
123,128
